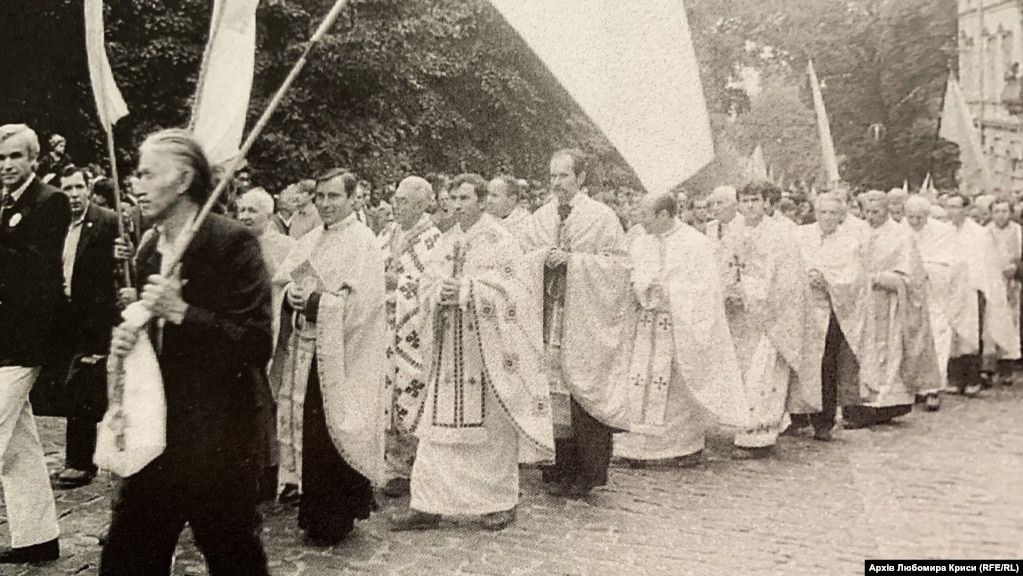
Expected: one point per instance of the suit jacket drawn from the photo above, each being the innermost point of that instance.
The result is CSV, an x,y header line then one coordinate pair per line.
x,y
93,308
213,363
31,275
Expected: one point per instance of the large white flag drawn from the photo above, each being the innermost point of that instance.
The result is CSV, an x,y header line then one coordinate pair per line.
x,y
957,126
823,128
631,67
109,103
225,81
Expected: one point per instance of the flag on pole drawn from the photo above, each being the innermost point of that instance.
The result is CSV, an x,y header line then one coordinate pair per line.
x,y
225,80
633,71
957,126
823,128
109,103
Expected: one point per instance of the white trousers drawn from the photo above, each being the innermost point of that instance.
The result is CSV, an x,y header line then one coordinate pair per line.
x,y
26,483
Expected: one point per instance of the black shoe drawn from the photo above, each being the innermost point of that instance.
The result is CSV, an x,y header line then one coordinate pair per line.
x,y
822,435
289,495
44,552
74,478
397,487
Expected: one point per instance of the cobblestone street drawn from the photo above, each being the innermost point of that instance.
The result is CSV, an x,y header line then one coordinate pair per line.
x,y
932,485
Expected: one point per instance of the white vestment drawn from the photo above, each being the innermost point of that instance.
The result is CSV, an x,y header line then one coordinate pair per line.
x,y
984,272
683,364
405,256
1010,243
348,341
486,390
768,319
947,289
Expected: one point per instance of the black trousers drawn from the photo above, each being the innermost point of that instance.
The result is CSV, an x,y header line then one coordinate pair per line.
x,y
218,500
80,444
825,419
966,370
582,459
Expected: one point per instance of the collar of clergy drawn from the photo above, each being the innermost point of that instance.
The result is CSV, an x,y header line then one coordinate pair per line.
x,y
344,223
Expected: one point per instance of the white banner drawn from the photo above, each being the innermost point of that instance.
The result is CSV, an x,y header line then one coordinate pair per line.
x,y
631,67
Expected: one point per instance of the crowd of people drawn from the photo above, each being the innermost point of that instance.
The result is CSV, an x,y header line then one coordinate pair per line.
x,y
431,339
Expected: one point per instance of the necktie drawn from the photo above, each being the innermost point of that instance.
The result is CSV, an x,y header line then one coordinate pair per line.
x,y
6,204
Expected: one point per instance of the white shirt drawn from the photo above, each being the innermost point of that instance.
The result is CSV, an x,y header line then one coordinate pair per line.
x,y
74,234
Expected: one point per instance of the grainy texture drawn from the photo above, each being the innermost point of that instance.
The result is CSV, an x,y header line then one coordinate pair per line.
x,y
932,485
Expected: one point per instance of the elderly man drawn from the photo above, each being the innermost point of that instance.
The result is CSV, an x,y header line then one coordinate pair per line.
x,y
726,229
212,327
723,204
683,362
986,308
946,287
330,403
837,278
256,211
897,355
504,203
1008,237
304,216
486,392
897,204
34,219
767,313
577,266
407,247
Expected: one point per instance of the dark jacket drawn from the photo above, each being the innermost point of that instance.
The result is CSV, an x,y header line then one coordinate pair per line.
x,y
31,276
92,311
212,363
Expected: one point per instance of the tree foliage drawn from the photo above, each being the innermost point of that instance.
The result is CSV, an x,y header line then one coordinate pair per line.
x,y
402,86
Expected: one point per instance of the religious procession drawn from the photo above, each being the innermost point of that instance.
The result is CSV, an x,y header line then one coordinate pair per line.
x,y
462,346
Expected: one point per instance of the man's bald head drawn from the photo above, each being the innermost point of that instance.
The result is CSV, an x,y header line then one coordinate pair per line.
x,y
411,199
918,211
723,202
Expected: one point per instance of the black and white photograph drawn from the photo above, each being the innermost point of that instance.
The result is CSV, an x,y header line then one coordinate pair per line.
x,y
511,287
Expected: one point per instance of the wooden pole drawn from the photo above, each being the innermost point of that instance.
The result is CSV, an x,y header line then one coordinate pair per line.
x,y
264,119
111,152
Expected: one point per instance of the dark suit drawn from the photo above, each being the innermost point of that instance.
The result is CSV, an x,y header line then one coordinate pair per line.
x,y
31,287
92,314
211,364
31,277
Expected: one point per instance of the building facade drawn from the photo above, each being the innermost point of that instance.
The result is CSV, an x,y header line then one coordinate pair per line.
x,y
990,53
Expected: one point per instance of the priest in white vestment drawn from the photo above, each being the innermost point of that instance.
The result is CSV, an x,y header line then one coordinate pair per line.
x,y
406,246
836,274
576,262
486,391
770,308
1008,237
987,322
946,287
330,362
504,202
683,372
897,355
